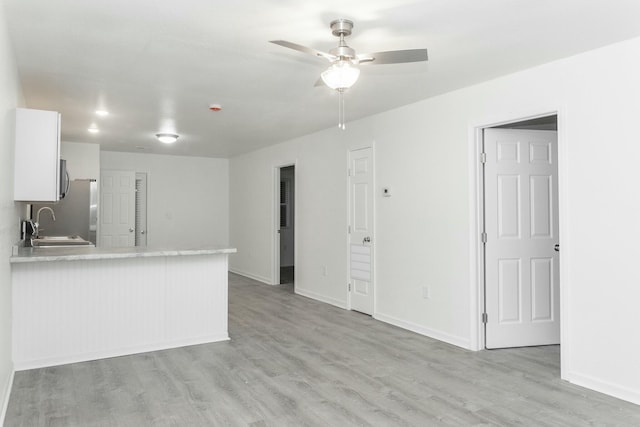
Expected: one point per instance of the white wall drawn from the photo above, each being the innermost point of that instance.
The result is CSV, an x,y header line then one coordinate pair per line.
x,y
425,232
187,199
321,218
10,97
83,159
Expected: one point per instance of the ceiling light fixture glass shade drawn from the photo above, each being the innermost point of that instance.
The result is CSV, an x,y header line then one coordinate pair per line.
x,y
341,75
167,138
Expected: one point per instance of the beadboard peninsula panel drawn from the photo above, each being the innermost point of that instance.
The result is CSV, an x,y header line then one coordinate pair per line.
x,y
198,307
67,312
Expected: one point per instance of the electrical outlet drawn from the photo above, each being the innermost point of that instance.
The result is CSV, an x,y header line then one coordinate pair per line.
x,y
426,292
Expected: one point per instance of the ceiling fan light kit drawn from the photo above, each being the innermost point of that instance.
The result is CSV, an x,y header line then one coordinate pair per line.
x,y
344,72
341,75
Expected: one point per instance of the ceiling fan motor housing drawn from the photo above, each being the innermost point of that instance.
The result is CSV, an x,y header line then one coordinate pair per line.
x,y
342,28
343,52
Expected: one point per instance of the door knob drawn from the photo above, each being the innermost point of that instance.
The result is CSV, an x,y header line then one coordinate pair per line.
x,y
366,240
142,232
557,247
131,230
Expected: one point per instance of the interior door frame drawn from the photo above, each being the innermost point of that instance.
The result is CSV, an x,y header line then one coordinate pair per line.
x,y
144,177
275,223
477,259
348,236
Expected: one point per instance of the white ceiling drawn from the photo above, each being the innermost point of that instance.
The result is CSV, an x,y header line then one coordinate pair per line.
x,y
156,65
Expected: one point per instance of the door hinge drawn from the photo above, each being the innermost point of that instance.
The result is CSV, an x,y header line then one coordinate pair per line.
x,y
483,157
349,172
483,236
349,284
485,318
349,229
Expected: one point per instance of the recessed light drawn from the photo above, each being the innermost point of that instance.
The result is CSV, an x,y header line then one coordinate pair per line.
x,y
167,138
102,113
93,129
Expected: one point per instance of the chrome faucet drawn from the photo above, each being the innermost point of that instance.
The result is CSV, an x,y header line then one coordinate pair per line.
x,y
36,225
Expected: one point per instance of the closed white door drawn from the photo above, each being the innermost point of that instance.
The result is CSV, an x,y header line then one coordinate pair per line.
x,y
117,208
521,221
361,230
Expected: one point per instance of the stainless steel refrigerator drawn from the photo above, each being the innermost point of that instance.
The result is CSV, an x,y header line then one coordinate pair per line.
x,y
76,214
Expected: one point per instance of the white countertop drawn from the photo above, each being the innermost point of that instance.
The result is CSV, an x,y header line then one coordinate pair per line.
x,y
83,253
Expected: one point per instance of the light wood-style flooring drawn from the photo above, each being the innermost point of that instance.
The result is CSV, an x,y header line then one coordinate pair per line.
x,y
293,361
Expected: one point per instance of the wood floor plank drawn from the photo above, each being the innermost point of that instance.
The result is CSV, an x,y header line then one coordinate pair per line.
x,y
293,361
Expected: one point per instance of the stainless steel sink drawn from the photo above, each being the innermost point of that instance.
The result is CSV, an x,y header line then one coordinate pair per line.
x,y
59,241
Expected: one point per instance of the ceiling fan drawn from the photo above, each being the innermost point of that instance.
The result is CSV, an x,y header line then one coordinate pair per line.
x,y
343,71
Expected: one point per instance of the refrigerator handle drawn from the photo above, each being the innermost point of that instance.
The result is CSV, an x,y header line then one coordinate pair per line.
x,y
66,190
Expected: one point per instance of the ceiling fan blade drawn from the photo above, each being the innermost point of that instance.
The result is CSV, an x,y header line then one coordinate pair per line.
x,y
394,56
303,49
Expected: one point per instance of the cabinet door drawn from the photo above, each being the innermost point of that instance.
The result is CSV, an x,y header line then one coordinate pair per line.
x,y
37,156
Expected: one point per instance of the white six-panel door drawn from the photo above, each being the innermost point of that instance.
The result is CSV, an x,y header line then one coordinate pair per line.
x,y
361,229
521,222
117,208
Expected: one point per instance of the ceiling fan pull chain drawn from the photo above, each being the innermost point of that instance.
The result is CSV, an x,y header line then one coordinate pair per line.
x,y
339,110
341,114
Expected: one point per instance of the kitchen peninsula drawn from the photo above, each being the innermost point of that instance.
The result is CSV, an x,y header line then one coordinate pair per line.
x,y
78,304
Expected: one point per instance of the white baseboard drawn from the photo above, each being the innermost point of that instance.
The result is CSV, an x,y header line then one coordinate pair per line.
x,y
251,276
85,357
321,298
605,387
7,394
431,333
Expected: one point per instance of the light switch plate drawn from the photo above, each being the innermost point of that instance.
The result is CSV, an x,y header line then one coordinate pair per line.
x,y
426,292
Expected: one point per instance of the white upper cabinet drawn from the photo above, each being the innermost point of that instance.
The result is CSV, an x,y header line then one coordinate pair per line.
x,y
37,156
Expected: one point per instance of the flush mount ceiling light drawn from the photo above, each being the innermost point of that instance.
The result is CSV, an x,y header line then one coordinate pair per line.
x,y
167,138
102,113
93,129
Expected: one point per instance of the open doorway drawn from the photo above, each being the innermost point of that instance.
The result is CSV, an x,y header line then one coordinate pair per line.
x,y
520,234
286,225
